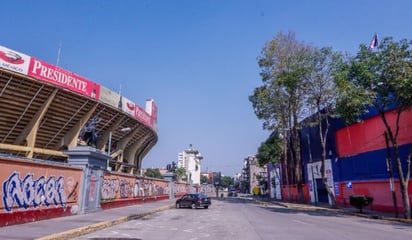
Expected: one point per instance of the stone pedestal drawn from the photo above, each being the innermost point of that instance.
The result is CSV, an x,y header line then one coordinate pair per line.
x,y
94,163
87,156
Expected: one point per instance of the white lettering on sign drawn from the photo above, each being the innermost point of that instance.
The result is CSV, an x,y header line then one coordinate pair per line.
x,y
58,76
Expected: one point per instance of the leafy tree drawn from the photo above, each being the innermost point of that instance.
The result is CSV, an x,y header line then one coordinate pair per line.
x,y
382,79
226,181
180,174
279,100
153,173
321,90
204,179
270,151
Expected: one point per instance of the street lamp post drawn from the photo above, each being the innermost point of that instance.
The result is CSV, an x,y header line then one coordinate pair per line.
x,y
124,130
108,151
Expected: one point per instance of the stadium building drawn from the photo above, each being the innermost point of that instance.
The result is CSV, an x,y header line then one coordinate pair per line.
x,y
44,109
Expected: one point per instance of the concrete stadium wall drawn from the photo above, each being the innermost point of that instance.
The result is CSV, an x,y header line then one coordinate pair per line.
x,y
121,190
33,190
180,189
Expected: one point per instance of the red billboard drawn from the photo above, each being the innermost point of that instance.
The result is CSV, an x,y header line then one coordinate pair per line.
x,y
63,78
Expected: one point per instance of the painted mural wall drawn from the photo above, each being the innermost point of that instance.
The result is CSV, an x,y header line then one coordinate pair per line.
x,y
32,190
35,190
123,189
380,190
362,163
368,135
290,192
181,189
358,162
126,187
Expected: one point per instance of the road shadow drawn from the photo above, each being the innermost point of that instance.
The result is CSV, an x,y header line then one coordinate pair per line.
x,y
320,211
361,218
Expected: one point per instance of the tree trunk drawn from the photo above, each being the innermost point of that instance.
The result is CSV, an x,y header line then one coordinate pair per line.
x,y
390,170
403,179
404,186
298,165
286,168
323,136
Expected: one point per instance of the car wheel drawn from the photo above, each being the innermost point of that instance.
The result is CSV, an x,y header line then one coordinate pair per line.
x,y
206,207
177,205
193,206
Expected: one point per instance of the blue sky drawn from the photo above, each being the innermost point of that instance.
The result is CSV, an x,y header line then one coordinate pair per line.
x,y
195,58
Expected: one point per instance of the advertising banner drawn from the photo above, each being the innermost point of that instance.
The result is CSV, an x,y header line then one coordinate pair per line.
x,y
109,97
143,116
63,78
41,70
14,61
154,115
151,109
128,106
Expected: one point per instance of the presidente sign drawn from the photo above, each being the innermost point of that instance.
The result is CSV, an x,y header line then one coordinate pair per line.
x,y
24,64
30,66
63,78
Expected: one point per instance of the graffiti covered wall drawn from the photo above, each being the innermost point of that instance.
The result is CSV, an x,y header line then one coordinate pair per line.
x,y
36,190
32,190
122,189
181,189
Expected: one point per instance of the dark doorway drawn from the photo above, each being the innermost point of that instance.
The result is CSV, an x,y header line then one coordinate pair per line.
x,y
322,193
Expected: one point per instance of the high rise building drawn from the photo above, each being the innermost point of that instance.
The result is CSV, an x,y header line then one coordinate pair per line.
x,y
190,160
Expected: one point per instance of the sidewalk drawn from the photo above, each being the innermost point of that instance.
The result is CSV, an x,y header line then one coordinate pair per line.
x,y
367,212
77,225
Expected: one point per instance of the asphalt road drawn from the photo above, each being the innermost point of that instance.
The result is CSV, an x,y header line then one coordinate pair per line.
x,y
234,218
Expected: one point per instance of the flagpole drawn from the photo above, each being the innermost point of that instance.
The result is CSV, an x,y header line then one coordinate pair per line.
x,y
58,54
377,42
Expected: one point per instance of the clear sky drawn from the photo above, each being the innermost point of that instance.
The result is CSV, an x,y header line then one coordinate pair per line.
x,y
195,58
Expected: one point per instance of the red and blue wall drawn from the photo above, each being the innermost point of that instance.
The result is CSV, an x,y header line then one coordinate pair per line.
x,y
362,160
358,157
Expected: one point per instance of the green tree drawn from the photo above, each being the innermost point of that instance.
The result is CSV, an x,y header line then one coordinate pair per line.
x,y
279,101
382,79
153,173
226,181
320,89
270,151
204,179
180,174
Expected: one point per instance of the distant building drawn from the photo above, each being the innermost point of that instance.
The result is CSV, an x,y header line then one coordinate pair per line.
x,y
237,178
252,175
205,175
190,160
163,171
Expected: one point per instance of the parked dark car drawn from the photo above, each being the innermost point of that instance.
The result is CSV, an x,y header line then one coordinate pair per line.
x,y
193,200
232,193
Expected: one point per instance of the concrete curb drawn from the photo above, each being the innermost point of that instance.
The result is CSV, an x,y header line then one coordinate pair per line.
x,y
77,232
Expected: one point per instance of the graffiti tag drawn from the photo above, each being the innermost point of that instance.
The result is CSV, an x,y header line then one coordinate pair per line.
x,y
28,192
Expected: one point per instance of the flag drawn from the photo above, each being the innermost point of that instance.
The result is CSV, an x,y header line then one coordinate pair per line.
x,y
374,42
